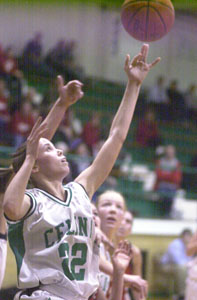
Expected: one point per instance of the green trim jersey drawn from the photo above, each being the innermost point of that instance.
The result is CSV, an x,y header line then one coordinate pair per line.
x,y
54,244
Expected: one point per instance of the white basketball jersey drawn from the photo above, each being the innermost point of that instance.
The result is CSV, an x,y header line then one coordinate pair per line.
x,y
54,244
104,279
3,256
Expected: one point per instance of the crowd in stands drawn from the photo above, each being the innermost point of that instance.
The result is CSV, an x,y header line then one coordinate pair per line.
x,y
18,101
21,104
171,103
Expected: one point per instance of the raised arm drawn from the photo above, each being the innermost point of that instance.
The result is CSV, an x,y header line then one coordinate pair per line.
x,y
68,95
135,282
136,71
120,261
16,203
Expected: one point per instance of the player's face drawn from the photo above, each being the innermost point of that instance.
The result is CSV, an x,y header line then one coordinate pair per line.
x,y
96,218
126,225
111,211
50,160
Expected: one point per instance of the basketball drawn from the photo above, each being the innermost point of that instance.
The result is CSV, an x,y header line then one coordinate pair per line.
x,y
147,20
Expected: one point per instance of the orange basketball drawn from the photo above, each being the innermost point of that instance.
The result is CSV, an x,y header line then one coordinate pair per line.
x,y
147,20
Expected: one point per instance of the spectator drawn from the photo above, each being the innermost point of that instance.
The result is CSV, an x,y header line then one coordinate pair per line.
x,y
82,159
92,131
9,65
4,113
177,107
191,283
190,175
69,130
175,261
32,59
168,178
22,123
32,53
56,57
158,99
147,131
10,72
191,102
33,96
62,59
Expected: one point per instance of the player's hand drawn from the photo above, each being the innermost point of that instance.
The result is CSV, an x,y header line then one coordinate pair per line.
x,y
69,93
138,284
138,68
122,256
36,133
100,237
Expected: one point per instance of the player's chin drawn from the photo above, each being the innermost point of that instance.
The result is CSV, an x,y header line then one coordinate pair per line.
x,y
66,169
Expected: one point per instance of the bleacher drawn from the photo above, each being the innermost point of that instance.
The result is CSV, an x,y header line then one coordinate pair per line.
x,y
105,97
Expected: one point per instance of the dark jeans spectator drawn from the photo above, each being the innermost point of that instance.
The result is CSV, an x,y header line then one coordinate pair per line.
x,y
167,192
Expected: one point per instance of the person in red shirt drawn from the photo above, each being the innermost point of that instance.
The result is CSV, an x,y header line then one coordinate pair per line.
x,y
147,131
168,178
22,123
92,131
10,72
4,113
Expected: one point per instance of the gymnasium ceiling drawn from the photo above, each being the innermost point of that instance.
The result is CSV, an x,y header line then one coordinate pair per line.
x,y
188,5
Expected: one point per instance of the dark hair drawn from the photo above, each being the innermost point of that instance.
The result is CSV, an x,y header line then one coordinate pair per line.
x,y
185,232
7,173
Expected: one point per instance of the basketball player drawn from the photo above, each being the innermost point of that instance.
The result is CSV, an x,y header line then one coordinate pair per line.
x,y
111,210
68,95
51,230
135,265
120,261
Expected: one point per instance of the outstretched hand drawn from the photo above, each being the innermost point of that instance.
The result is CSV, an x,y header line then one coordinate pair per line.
x,y
138,68
71,92
122,256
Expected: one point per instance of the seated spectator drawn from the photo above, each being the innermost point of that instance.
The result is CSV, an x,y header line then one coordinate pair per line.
x,y
92,131
9,64
10,72
69,130
175,261
32,52
56,57
82,159
32,59
158,99
147,134
177,107
191,102
168,178
21,123
190,175
4,113
33,96
191,283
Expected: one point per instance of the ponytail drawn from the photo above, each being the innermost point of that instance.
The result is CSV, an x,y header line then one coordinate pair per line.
x,y
5,176
7,173
18,157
